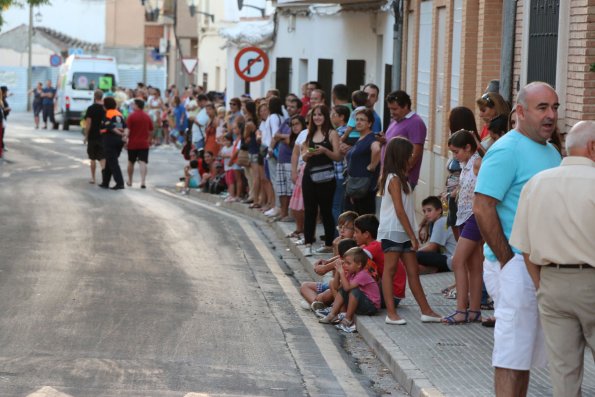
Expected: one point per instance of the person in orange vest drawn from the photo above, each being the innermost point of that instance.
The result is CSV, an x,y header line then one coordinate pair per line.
x,y
112,132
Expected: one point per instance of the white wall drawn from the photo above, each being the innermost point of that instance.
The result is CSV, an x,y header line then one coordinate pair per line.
x,y
40,57
86,18
342,36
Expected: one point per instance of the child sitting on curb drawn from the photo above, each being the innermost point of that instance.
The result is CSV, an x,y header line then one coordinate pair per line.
x,y
436,255
358,294
365,232
314,293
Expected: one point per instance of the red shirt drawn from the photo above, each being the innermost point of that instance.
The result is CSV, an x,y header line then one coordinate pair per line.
x,y
140,127
400,279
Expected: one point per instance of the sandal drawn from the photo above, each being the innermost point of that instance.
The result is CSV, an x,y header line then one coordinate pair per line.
x,y
490,322
450,320
474,316
452,294
254,205
294,234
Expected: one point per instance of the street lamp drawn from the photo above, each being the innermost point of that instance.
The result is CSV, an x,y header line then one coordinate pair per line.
x,y
241,5
193,11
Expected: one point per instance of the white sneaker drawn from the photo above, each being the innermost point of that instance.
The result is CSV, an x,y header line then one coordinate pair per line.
x,y
304,305
272,212
308,251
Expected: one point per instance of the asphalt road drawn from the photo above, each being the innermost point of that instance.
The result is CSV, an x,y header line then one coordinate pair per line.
x,y
140,293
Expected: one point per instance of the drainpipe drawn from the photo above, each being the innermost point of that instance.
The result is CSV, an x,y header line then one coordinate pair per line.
x,y
398,6
507,51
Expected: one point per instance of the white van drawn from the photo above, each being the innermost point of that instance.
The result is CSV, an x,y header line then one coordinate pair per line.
x,y
79,77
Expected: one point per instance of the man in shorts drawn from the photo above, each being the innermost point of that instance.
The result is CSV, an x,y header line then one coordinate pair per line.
x,y
138,132
93,118
507,166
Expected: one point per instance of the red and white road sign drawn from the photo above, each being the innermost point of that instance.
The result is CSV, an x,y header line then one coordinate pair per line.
x,y
189,64
251,64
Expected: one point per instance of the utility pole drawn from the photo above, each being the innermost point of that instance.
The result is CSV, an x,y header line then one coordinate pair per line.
x,y
29,61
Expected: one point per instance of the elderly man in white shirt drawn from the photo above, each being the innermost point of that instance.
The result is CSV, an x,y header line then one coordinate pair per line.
x,y
554,227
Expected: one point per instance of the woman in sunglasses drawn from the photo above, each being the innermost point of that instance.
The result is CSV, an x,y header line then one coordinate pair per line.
x,y
490,105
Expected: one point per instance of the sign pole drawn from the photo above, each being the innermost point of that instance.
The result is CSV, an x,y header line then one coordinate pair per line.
x,y
29,60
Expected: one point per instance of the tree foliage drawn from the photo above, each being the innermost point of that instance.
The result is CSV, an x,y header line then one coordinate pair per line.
x,y
5,4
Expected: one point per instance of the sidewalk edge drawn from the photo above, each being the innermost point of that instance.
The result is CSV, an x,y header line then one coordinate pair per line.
x,y
411,378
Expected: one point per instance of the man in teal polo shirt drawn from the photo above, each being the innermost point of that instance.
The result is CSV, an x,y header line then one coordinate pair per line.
x,y
507,166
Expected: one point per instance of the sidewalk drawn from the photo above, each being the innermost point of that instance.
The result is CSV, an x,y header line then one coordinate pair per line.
x,y
426,359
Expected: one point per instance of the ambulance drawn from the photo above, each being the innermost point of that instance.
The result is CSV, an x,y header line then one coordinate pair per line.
x,y
79,77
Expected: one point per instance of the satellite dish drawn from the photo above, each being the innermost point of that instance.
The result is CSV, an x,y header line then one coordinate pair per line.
x,y
240,4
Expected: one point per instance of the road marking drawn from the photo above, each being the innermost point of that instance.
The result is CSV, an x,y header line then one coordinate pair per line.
x,y
11,140
350,385
5,174
47,391
42,140
74,141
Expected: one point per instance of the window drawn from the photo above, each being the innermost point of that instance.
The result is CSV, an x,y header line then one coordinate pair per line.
x,y
325,76
89,81
356,74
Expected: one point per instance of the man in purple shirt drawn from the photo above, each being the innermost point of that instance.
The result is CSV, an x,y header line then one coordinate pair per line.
x,y
408,124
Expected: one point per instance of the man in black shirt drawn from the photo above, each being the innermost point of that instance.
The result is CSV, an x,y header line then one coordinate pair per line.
x,y
93,118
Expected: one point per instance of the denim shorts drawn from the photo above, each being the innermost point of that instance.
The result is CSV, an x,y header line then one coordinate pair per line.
x,y
321,287
391,246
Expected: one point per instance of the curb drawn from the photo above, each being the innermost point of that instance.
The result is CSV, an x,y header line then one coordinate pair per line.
x,y
411,378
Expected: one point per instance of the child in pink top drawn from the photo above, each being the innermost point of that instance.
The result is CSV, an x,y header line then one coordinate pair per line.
x,y
358,294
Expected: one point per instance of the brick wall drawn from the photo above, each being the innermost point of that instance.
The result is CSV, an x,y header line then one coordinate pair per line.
x,y
489,43
580,94
469,61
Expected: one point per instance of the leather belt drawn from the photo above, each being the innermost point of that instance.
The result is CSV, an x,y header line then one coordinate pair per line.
x,y
569,266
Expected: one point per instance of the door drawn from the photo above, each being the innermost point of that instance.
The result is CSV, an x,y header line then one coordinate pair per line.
x,y
543,41
283,76
356,74
325,76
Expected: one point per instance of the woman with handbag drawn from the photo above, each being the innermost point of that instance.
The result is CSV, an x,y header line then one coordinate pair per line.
x,y
319,150
362,167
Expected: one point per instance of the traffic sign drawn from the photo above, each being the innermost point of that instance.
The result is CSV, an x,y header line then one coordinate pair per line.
x,y
55,60
251,64
190,64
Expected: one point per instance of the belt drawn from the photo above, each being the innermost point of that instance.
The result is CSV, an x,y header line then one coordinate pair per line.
x,y
569,266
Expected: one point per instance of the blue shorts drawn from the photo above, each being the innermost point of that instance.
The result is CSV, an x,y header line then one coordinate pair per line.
x,y
193,183
321,287
391,246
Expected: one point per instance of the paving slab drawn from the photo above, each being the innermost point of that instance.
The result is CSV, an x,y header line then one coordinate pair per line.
x,y
431,359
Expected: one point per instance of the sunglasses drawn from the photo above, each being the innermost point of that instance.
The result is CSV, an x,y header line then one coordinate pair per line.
x,y
488,100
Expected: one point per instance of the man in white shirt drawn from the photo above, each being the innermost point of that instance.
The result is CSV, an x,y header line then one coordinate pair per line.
x,y
554,227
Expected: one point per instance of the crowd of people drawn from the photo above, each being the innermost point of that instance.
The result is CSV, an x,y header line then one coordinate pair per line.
x,y
308,159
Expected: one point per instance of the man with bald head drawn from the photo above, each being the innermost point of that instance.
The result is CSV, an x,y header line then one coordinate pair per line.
x,y
554,227
505,169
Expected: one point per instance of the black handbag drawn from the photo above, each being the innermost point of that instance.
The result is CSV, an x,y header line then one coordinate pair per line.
x,y
357,187
322,173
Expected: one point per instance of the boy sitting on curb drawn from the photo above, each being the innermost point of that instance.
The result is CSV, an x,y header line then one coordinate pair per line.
x,y
436,255
313,292
366,230
358,294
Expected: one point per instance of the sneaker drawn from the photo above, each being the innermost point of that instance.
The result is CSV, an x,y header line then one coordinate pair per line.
x,y
328,319
308,251
323,312
324,250
346,326
317,306
304,305
272,212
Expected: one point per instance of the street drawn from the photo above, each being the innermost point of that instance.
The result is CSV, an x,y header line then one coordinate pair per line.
x,y
142,293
